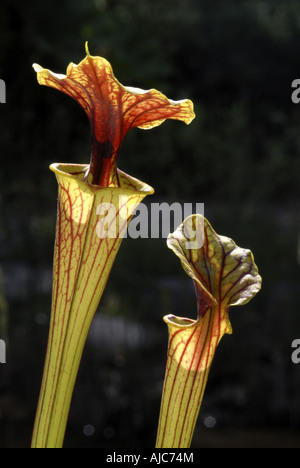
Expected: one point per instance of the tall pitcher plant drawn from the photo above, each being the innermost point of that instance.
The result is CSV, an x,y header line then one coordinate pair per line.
x,y
95,204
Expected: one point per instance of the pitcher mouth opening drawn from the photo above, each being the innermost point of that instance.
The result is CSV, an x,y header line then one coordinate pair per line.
x,y
126,182
179,321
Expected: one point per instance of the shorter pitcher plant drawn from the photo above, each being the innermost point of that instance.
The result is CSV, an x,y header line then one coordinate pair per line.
x,y
224,275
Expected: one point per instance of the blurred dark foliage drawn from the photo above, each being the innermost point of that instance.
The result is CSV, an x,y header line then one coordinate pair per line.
x,y
240,156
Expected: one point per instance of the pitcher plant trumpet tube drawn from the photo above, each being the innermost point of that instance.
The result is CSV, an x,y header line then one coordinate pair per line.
x,y
87,239
224,275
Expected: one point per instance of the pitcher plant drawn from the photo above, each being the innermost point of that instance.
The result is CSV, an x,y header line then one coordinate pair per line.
x,y
224,275
96,201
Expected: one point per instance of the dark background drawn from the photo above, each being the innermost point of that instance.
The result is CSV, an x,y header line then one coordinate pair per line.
x,y
240,156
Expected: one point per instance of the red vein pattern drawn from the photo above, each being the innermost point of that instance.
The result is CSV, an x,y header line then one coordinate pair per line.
x,y
224,275
82,264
